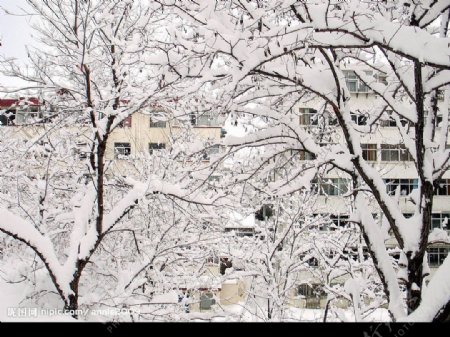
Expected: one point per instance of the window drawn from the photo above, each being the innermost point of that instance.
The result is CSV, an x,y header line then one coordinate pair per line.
x,y
381,78
154,123
397,152
443,187
304,155
388,121
214,178
369,152
122,150
439,220
312,294
339,220
354,84
213,259
331,186
203,119
353,253
389,152
207,300
211,150
359,119
241,231
305,290
436,256
156,146
335,222
308,117
311,117
351,80
126,123
406,185
27,114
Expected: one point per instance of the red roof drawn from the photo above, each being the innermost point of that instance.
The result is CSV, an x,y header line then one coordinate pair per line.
x,y
9,102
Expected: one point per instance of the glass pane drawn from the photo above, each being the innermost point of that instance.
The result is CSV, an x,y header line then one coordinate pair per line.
x,y
435,223
363,88
442,255
157,124
433,259
352,85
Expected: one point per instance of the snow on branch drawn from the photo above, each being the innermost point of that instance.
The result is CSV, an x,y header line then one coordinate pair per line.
x,y
435,297
382,257
24,231
373,28
129,200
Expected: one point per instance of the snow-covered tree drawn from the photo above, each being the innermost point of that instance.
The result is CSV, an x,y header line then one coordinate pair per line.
x,y
292,251
266,58
96,64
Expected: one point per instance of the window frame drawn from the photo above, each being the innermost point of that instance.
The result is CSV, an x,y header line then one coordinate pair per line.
x,y
369,150
443,188
308,117
354,84
207,118
157,124
439,219
211,150
408,185
437,255
159,146
118,147
359,118
331,186
395,153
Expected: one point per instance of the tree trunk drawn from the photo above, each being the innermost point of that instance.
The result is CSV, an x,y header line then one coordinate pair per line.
x,y
415,262
72,305
414,283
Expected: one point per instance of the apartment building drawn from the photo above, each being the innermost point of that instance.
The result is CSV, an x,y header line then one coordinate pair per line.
x,y
383,148
144,133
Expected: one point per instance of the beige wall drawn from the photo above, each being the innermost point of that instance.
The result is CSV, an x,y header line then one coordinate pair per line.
x,y
233,291
140,134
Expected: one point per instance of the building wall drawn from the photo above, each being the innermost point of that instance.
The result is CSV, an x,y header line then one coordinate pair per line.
x,y
140,134
233,291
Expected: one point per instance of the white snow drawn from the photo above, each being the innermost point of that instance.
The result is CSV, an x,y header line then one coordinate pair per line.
x,y
11,309
438,235
434,297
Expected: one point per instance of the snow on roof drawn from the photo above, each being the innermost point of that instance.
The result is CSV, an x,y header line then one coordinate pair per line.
x,y
170,297
202,282
237,220
231,281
